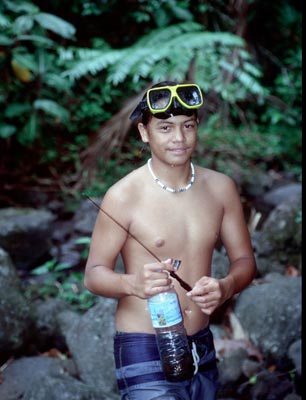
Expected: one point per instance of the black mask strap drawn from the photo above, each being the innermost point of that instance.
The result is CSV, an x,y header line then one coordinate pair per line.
x,y
139,110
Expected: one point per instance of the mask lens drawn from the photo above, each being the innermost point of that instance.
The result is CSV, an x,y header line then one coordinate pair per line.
x,y
190,95
159,99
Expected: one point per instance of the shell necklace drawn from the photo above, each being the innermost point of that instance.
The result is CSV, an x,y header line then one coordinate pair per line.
x,y
169,189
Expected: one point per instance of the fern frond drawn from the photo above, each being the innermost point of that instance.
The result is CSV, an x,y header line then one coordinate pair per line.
x,y
203,39
134,62
57,82
162,35
95,62
177,52
244,78
169,52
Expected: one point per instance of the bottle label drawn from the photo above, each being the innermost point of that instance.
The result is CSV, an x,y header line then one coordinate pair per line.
x,y
166,313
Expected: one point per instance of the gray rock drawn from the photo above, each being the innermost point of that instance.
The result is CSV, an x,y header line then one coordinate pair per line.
x,y
282,194
15,311
25,234
275,322
90,342
230,366
20,375
45,378
295,355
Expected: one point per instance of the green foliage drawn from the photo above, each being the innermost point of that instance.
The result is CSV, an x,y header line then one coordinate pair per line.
x,y
226,149
50,266
57,91
30,65
55,24
59,281
162,12
111,171
42,109
171,51
288,88
84,241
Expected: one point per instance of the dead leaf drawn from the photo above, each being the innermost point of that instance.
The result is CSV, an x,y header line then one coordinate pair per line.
x,y
292,271
54,353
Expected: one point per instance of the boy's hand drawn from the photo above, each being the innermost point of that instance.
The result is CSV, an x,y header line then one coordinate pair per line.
x,y
207,294
153,278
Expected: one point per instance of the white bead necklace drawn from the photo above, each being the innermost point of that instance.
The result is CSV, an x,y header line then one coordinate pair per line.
x,y
169,189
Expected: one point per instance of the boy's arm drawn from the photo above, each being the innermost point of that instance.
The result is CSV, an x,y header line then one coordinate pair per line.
x,y
209,293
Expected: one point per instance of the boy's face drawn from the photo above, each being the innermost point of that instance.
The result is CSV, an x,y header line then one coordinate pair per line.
x,y
173,138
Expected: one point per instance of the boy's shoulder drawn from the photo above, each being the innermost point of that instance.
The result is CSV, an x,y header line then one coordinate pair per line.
x,y
219,184
213,176
128,185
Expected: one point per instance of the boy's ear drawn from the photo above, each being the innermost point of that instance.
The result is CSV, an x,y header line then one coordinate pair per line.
x,y
143,132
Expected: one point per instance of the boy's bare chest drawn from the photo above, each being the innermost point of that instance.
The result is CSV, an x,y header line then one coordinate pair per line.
x,y
174,224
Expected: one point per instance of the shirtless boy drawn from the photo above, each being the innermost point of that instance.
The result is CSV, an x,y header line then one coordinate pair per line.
x,y
177,215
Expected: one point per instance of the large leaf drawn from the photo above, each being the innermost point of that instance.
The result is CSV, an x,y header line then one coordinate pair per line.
x,y
29,132
4,21
55,24
181,13
21,72
7,130
21,6
35,38
52,108
22,24
16,109
5,40
24,60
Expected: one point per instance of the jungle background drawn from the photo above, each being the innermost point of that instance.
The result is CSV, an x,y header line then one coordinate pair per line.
x,y
72,72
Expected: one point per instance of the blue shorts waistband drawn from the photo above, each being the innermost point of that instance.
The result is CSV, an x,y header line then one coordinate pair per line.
x,y
138,335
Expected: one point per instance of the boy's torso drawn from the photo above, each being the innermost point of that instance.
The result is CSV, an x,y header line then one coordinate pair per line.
x,y
182,226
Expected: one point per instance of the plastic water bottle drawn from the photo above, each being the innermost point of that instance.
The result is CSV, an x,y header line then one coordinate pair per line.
x,y
175,354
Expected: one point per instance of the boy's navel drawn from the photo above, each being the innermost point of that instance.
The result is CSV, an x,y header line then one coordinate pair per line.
x,y
187,311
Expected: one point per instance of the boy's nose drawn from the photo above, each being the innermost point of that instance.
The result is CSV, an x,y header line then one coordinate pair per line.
x,y
178,134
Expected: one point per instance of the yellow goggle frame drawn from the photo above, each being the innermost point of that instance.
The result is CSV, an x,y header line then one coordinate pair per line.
x,y
159,99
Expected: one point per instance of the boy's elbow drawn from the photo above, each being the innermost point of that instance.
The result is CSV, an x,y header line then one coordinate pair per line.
x,y
255,272
254,267
88,282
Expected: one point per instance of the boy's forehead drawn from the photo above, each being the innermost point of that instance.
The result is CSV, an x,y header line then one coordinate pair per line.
x,y
173,119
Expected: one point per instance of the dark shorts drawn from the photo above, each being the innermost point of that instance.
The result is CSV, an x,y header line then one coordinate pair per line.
x,y
140,376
